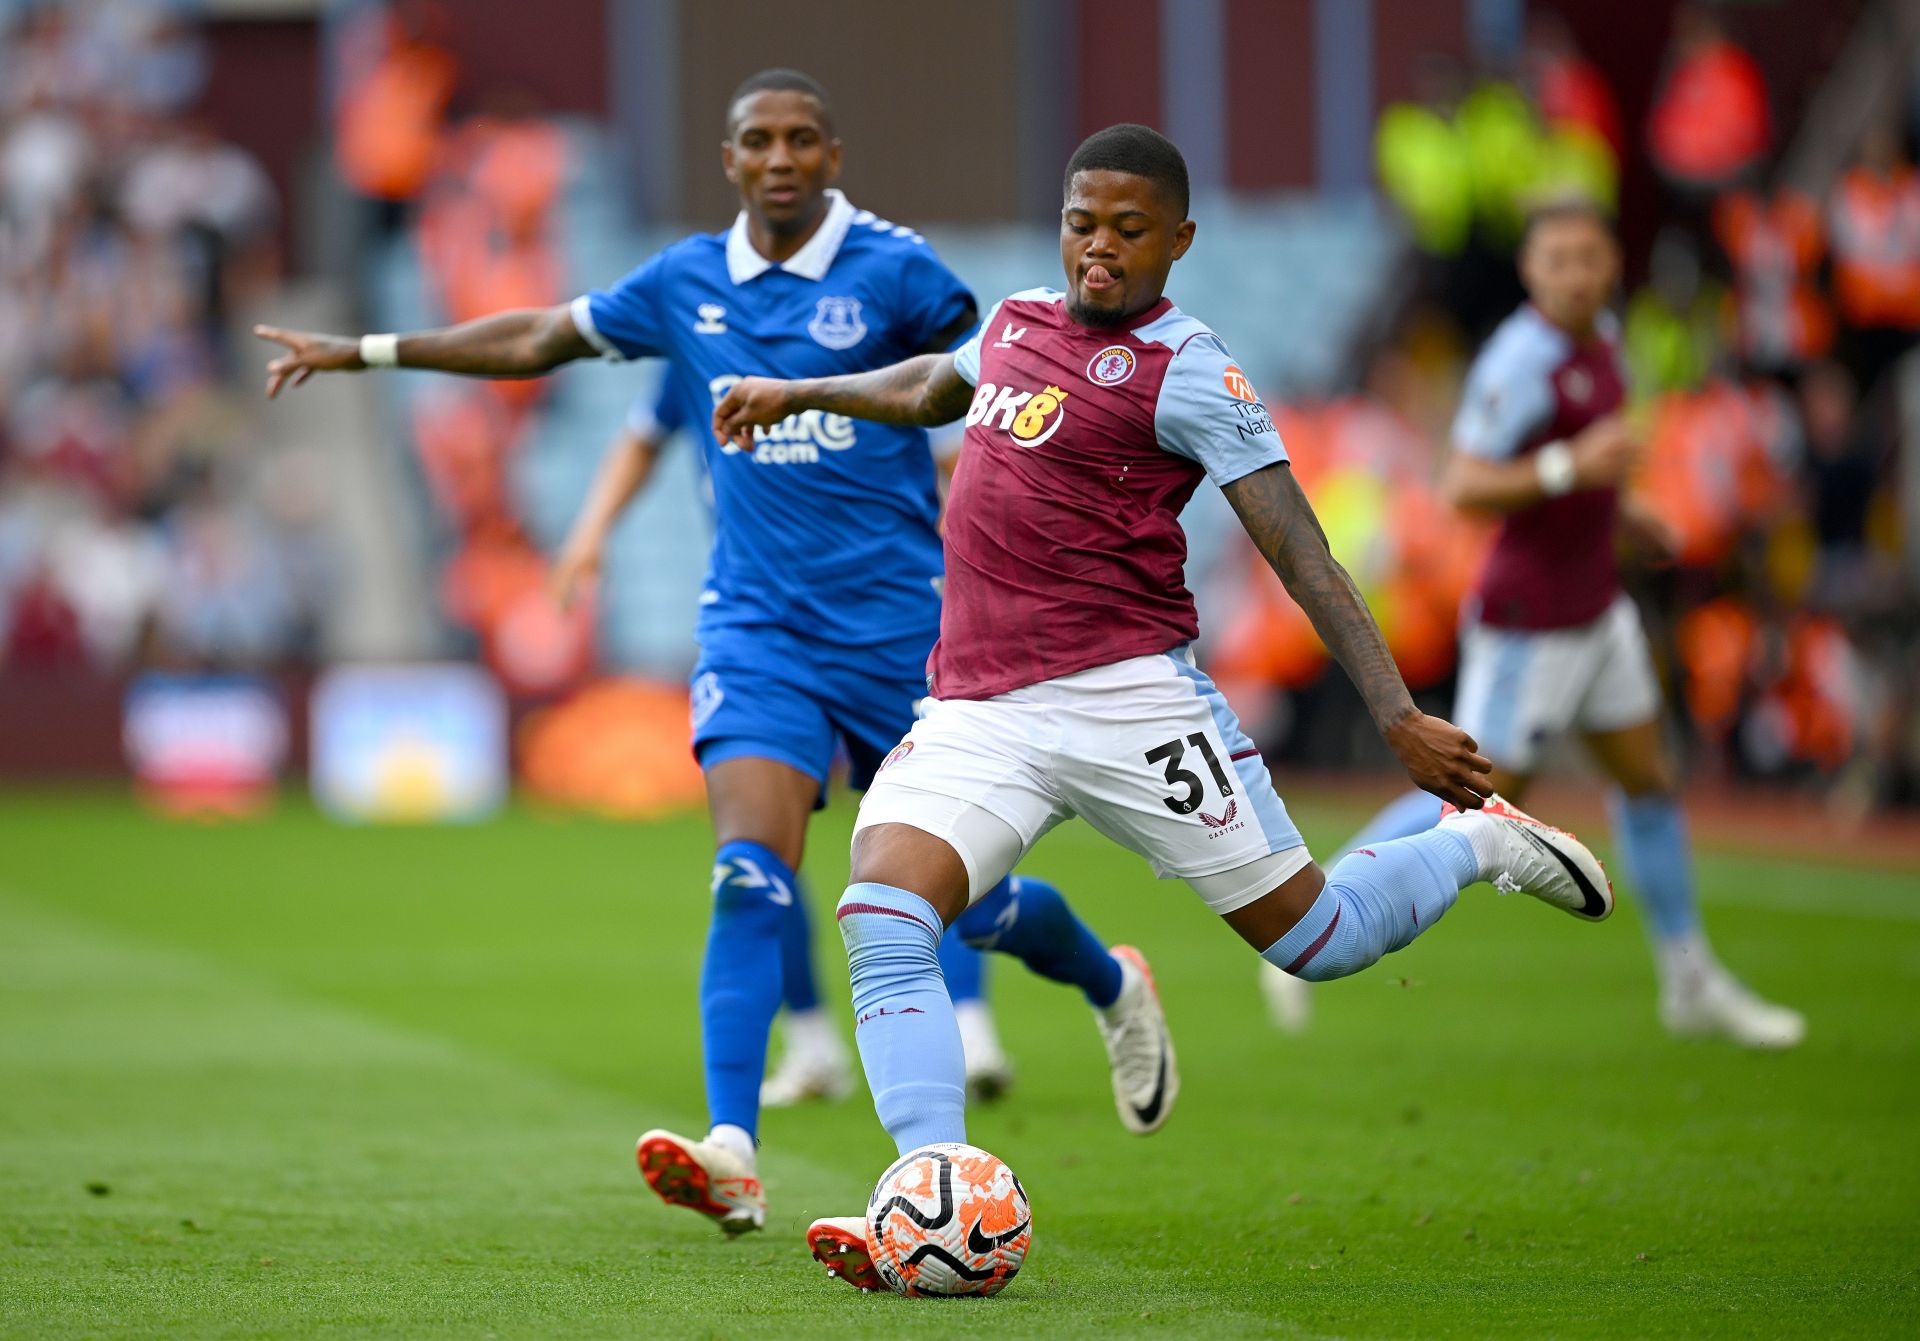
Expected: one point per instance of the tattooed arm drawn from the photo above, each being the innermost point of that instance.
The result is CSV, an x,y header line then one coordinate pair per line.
x,y
1439,756
923,391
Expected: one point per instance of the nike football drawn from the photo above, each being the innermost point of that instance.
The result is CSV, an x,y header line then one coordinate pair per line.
x,y
948,1219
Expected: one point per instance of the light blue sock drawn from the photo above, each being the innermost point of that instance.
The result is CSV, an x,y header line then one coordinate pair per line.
x,y
903,1017
798,990
964,968
1406,815
1377,899
1651,833
1030,920
753,894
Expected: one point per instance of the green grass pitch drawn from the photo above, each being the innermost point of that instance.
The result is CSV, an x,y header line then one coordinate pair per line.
x,y
287,1079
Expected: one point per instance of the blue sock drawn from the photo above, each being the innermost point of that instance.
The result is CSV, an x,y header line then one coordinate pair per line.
x,y
798,991
903,1017
964,968
1651,833
1406,815
1375,902
1030,920
753,895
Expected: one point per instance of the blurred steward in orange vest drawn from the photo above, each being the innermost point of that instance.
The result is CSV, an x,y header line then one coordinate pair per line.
x,y
1568,88
394,92
1874,216
1719,466
1709,123
1775,246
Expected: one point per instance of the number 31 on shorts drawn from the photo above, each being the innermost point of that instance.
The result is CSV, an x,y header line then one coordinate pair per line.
x,y
1194,789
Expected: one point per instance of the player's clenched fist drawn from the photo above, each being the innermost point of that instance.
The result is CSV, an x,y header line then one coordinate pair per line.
x,y
1604,452
307,354
751,402
1441,759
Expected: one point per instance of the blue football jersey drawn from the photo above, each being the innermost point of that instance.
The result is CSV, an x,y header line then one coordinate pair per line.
x,y
664,412
828,526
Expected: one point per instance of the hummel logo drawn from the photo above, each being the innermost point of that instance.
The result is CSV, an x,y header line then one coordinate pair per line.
x,y
1008,336
713,319
747,874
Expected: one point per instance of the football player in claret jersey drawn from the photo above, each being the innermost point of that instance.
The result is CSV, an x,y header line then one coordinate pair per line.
x,y
1064,681
823,586
815,1063
1553,644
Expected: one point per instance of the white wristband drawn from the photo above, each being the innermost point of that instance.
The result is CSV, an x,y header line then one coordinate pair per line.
x,y
380,351
1553,464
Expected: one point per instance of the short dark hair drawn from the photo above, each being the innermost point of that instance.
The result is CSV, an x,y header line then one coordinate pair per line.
x,y
785,81
1558,208
1139,150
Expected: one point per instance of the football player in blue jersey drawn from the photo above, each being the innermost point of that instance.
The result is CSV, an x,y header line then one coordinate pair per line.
x,y
815,1063
822,598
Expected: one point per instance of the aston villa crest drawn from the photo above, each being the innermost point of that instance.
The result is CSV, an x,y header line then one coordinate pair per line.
x,y
836,323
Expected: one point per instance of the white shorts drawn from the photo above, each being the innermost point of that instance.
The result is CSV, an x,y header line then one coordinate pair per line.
x,y
1519,688
1145,750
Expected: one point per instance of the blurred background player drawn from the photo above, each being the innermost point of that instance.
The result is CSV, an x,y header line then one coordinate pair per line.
x,y
1554,644
1064,681
814,1062
823,590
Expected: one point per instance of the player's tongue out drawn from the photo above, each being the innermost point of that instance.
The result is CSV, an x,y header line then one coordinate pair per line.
x,y
1098,277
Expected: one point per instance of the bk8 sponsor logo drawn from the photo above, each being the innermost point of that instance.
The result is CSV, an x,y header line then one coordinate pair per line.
x,y
1028,417
797,439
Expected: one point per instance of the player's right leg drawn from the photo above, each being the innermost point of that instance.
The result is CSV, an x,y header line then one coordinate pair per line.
x,y
974,776
765,746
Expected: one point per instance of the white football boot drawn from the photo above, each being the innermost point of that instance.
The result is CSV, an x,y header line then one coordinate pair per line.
x,y
1522,855
839,1243
703,1177
1700,999
813,1063
1146,1077
1289,1005
989,1069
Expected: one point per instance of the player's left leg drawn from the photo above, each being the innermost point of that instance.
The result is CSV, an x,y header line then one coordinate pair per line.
x,y
1377,899
1698,996
1620,719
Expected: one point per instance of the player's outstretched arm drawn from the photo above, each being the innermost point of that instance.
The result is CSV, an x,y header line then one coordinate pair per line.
x,y
522,343
922,391
1438,755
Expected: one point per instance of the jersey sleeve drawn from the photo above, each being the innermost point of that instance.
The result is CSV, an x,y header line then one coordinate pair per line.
x,y
661,414
625,321
933,301
966,359
1209,412
1508,398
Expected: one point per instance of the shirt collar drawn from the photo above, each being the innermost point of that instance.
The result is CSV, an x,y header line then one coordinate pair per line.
x,y
812,261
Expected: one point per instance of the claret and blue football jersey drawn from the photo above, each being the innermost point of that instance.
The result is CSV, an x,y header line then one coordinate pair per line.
x,y
828,527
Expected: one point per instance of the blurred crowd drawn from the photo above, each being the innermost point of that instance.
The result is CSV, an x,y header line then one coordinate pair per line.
x,y
136,526
470,186
1765,334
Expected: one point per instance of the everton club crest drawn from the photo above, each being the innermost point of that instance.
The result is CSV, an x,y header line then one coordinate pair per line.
x,y
836,323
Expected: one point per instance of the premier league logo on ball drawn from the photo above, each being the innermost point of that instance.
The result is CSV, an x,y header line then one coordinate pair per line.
x,y
836,323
